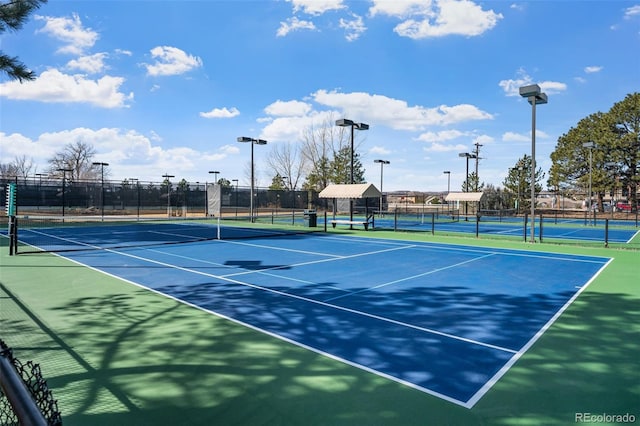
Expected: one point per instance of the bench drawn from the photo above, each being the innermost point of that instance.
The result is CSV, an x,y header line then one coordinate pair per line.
x,y
351,222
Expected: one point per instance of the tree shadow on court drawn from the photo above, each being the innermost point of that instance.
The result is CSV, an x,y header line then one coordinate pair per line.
x,y
164,363
132,357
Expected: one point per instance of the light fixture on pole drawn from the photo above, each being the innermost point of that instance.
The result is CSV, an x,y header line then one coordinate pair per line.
x,y
64,181
253,141
215,174
102,165
448,173
590,146
466,182
535,97
382,163
343,122
166,178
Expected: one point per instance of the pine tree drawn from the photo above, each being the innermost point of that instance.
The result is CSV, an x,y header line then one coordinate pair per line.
x,y
13,14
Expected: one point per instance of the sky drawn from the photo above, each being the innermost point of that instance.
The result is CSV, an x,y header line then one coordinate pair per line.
x,y
166,87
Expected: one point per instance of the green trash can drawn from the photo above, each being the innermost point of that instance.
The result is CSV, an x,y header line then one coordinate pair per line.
x,y
311,218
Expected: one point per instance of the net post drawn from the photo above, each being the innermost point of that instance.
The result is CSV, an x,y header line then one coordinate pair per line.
x,y
477,224
13,235
524,229
218,235
606,232
433,223
540,228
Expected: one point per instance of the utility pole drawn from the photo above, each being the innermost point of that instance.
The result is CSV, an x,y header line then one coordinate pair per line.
x,y
477,154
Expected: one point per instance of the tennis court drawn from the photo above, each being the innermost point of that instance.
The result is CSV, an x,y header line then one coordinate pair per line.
x,y
448,320
618,231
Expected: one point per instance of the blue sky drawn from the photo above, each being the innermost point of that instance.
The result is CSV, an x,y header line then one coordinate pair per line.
x,y
167,86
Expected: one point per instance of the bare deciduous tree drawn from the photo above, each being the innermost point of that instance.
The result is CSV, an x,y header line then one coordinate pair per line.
x,y
286,159
76,157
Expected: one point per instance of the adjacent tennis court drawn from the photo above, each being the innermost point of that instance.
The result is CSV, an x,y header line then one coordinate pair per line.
x,y
448,320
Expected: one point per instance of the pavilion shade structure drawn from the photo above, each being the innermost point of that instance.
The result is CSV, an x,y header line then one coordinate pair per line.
x,y
358,190
464,196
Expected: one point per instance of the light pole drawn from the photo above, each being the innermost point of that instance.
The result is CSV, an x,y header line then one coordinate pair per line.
x,y
102,165
466,182
166,177
382,163
236,181
535,97
215,175
611,165
137,196
448,173
253,142
40,195
64,180
343,122
590,146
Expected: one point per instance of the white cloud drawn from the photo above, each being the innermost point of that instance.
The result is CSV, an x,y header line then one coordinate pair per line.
x,y
221,113
316,7
91,64
632,11
441,136
288,108
354,27
171,61
379,150
395,113
511,86
400,9
515,137
520,137
70,31
424,19
129,153
292,128
552,87
593,69
55,87
294,24
438,147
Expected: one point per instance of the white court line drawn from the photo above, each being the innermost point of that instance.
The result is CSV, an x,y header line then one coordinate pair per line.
x,y
317,302
312,262
489,383
633,236
433,271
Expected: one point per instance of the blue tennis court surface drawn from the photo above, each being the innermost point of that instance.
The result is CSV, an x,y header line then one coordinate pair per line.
x,y
568,229
447,320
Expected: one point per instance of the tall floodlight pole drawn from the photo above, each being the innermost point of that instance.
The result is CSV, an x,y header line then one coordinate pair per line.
x,y
343,122
236,181
590,146
382,163
64,190
102,165
167,177
137,195
466,182
448,173
215,174
535,97
253,141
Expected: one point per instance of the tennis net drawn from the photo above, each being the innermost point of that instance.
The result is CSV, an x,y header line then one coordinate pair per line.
x,y
58,234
